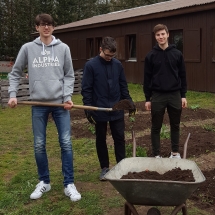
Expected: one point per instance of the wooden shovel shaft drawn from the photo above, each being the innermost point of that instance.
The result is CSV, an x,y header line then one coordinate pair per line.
x,y
62,105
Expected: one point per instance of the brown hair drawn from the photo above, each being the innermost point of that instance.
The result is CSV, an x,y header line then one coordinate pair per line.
x,y
109,43
44,18
160,27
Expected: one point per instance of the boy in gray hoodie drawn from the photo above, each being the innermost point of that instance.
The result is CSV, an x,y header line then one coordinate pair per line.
x,y
51,79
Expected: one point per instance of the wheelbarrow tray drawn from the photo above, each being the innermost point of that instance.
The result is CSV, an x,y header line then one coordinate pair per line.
x,y
154,192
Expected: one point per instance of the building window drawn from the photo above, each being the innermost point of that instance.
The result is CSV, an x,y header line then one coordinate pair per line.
x,y
98,44
132,55
176,37
90,48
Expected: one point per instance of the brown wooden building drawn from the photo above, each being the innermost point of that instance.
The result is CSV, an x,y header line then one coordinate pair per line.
x,y
192,28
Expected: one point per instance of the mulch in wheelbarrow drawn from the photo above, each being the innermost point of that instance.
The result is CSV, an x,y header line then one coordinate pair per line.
x,y
172,175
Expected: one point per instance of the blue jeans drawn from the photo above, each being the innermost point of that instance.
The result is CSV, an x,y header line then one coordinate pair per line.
x,y
61,117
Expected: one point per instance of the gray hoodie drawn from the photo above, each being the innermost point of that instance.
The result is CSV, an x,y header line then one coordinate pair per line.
x,y
50,71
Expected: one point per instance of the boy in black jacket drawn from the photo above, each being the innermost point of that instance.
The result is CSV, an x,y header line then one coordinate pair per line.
x,y
103,85
165,87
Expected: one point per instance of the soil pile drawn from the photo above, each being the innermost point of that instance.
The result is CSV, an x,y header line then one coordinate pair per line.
x,y
172,175
123,105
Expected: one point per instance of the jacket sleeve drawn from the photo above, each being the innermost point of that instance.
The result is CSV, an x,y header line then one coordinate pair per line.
x,y
16,73
87,85
69,77
147,79
182,74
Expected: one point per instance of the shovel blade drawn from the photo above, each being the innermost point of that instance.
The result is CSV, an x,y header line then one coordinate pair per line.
x,y
124,104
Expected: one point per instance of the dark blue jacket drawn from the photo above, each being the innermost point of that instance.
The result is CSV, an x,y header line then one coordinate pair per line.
x,y
103,85
164,71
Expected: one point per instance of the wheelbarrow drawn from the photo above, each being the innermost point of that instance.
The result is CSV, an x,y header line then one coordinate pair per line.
x,y
154,192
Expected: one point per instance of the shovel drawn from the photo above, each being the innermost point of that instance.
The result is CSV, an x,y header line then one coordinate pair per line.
x,y
121,105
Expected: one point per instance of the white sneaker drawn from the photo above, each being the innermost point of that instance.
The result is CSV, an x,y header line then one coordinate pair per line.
x,y
72,192
176,155
158,156
40,189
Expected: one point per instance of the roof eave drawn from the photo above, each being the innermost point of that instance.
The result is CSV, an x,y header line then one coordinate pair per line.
x,y
175,12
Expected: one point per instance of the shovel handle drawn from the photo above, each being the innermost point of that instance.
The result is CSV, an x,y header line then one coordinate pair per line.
x,y
91,108
62,105
40,103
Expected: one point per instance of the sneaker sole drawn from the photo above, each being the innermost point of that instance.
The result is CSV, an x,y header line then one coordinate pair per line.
x,y
42,194
74,200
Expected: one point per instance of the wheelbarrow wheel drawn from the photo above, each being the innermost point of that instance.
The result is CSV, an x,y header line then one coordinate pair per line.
x,y
153,211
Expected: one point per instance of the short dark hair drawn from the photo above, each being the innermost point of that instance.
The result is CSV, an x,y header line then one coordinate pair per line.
x,y
109,43
44,18
160,27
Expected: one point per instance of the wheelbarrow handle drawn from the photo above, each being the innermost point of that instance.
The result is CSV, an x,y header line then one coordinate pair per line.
x,y
134,144
185,147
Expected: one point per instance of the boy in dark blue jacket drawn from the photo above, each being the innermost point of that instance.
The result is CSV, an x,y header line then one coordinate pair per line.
x,y
103,85
165,87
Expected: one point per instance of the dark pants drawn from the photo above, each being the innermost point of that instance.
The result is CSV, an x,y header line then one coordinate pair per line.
x,y
159,103
117,131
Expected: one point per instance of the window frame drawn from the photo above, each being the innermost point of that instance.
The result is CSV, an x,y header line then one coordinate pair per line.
x,y
131,44
90,48
98,42
174,32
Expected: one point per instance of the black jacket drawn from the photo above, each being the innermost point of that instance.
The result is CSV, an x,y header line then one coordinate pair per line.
x,y
164,71
103,85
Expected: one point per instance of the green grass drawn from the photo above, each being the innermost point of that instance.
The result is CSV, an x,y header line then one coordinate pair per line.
x,y
201,100
165,132
18,173
140,151
77,99
136,92
209,127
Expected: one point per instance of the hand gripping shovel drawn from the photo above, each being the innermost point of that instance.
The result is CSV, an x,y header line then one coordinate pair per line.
x,y
121,105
